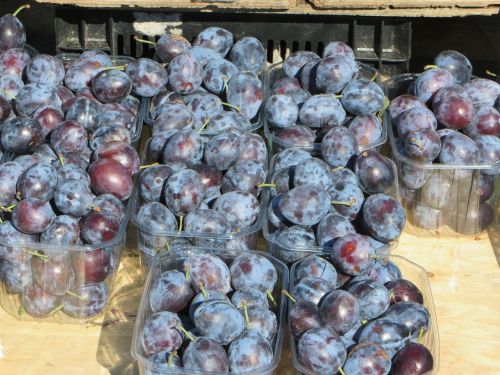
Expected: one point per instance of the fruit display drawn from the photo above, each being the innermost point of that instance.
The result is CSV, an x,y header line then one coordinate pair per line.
x,y
380,320
200,192
309,94
211,310
67,126
212,85
337,198
445,139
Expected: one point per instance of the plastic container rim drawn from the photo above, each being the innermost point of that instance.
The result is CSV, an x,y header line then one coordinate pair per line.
x,y
270,237
255,227
185,250
272,138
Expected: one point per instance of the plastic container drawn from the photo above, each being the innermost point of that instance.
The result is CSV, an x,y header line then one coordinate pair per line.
x,y
418,276
256,122
289,254
165,262
277,144
150,242
454,207
94,266
135,134
69,260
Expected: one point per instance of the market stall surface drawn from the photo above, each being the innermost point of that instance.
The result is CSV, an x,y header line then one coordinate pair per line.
x,y
464,277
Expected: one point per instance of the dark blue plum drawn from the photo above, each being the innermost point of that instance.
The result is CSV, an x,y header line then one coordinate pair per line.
x,y
248,54
362,96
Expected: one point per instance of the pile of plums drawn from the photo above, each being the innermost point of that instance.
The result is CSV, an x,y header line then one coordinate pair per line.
x,y
75,110
451,118
202,190
315,201
356,314
317,94
211,314
203,79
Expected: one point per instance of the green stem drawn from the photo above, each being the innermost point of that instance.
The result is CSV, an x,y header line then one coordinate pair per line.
x,y
247,319
58,308
430,66
144,41
271,298
337,169
61,159
364,321
187,272
118,67
25,6
490,73
84,299
8,208
170,360
417,143
341,371
420,334
9,94
266,185
226,87
231,106
148,165
203,291
207,121
189,335
375,75
340,96
285,293
345,203
181,221
43,257
20,311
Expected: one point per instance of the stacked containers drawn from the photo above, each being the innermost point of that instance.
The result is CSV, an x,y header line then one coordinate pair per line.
x,y
174,261
152,242
449,203
75,280
410,271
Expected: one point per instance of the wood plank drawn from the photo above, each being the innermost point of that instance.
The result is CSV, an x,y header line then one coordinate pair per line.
x,y
464,277
301,8
403,3
180,4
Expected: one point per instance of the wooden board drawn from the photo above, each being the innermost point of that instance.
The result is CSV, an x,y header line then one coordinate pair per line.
x,y
403,3
376,8
181,4
464,277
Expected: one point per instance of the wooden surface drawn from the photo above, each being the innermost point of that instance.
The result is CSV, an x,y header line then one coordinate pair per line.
x,y
379,8
464,277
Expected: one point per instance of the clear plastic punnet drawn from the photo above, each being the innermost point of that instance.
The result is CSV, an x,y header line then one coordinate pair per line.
x,y
410,271
288,254
151,242
135,132
440,199
277,144
60,283
174,261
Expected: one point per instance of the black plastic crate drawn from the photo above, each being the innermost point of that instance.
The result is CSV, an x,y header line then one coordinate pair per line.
x,y
382,43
